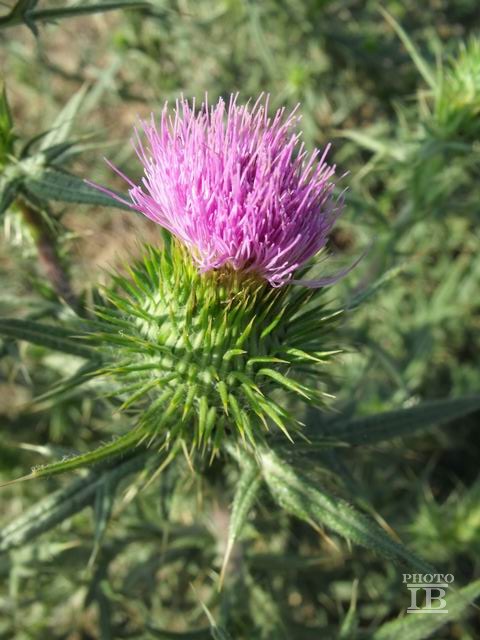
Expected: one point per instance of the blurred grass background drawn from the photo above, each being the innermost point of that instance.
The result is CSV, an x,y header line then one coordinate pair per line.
x,y
402,109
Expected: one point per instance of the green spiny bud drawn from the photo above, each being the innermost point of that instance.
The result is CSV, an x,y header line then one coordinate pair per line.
x,y
199,357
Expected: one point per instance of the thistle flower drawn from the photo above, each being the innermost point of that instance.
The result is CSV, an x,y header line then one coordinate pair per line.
x,y
237,188
204,333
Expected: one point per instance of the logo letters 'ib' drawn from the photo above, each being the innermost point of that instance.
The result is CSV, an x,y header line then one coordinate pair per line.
x,y
432,593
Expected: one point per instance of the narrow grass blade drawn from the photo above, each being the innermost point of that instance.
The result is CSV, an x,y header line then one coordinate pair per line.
x,y
420,62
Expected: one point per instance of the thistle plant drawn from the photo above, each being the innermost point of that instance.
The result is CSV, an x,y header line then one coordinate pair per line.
x,y
226,492
204,331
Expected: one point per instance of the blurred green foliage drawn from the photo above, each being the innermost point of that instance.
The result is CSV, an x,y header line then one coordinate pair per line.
x,y
398,94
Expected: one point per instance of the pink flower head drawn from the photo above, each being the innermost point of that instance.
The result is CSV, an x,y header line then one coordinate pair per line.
x,y
237,187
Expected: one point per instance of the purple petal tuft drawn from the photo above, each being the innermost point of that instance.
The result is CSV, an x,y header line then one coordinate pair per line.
x,y
237,187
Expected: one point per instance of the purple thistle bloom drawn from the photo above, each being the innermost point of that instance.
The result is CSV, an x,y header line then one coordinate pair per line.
x,y
237,187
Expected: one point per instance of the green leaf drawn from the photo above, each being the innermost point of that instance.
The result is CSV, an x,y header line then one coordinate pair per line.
x,y
62,124
65,187
7,137
9,193
245,495
45,335
400,423
418,627
295,494
126,442
62,504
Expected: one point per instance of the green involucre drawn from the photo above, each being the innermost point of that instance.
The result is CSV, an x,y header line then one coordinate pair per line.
x,y
198,356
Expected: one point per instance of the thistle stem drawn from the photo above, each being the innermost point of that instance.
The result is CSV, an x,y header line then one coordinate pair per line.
x,y
47,253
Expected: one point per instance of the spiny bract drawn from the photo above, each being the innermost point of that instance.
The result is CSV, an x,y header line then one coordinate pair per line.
x,y
200,355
